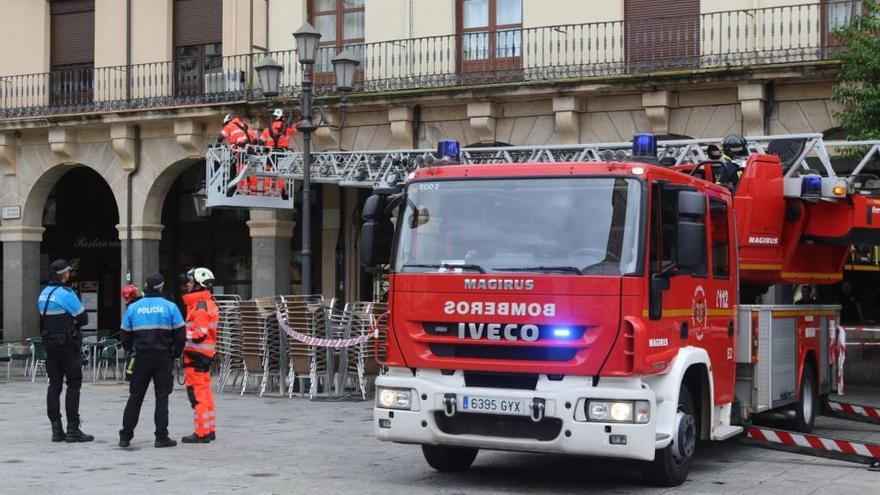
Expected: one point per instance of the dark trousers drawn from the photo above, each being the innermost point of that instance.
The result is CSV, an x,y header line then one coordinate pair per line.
x,y
63,361
158,368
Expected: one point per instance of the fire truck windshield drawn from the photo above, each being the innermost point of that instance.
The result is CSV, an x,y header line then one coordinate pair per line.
x,y
568,226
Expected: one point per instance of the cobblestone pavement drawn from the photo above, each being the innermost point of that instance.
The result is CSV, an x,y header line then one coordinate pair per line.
x,y
280,445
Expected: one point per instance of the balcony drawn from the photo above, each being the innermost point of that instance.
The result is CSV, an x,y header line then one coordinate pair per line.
x,y
740,38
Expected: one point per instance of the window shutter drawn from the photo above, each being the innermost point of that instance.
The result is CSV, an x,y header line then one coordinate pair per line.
x,y
73,32
198,22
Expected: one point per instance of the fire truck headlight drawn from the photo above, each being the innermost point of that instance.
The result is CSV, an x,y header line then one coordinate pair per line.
x,y
607,411
394,398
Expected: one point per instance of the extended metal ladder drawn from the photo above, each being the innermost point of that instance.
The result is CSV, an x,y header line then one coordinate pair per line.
x,y
227,168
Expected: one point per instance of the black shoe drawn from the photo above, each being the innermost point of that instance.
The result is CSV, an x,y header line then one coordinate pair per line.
x,y
58,434
212,436
74,434
164,442
196,439
124,443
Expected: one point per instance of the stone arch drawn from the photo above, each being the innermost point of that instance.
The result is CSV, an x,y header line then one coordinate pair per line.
x,y
154,200
37,193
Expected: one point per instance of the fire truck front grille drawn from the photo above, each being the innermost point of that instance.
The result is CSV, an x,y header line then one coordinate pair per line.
x,y
500,380
496,425
503,352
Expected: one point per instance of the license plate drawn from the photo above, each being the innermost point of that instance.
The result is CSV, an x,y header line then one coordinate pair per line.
x,y
493,405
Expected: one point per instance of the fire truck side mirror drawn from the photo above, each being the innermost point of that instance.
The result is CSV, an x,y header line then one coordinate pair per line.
x,y
691,239
376,234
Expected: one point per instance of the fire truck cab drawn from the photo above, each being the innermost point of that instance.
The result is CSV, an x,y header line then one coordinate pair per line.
x,y
593,308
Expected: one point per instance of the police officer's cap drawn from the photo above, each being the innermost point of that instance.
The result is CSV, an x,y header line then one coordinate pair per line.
x,y
155,281
59,267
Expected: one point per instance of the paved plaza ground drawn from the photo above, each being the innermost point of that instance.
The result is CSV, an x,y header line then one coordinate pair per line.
x,y
280,445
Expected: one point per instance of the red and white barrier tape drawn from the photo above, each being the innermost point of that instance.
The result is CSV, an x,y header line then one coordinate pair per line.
x,y
850,447
861,329
320,342
867,411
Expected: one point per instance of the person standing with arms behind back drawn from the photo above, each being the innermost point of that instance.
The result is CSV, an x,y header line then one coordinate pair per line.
x,y
202,317
61,316
154,327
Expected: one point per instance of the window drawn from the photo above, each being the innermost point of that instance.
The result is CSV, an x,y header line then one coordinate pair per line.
x,y
341,24
840,13
72,51
665,234
663,229
198,37
490,34
661,34
471,221
720,238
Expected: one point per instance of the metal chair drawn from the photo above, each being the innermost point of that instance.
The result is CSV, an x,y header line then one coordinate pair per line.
x,y
229,336
260,343
305,315
38,357
18,351
111,353
360,360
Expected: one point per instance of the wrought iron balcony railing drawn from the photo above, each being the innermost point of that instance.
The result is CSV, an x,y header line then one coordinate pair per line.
x,y
753,37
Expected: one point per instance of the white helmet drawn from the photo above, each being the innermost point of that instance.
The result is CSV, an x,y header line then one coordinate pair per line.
x,y
278,114
227,118
201,276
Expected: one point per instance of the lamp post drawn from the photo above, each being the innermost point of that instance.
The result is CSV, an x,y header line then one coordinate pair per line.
x,y
269,74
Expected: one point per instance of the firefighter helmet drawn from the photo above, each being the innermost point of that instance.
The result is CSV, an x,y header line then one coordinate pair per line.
x,y
228,117
130,292
735,145
278,114
201,276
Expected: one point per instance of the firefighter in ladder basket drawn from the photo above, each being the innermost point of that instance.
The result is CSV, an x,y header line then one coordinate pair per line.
x,y
237,134
279,137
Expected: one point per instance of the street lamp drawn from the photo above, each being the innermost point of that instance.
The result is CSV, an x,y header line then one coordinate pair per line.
x,y
269,74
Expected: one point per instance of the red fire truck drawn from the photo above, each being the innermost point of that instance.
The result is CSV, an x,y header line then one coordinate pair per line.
x,y
601,307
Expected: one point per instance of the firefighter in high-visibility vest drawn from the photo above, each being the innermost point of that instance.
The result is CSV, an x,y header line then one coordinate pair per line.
x,y
278,135
237,134
202,317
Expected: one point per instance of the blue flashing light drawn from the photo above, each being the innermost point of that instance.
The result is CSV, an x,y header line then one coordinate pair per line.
x,y
644,146
562,332
449,149
811,186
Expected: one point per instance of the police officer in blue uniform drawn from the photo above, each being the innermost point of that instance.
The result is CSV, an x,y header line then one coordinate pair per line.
x,y
154,328
61,316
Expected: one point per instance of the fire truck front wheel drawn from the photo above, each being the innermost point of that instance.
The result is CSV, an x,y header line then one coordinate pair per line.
x,y
672,464
808,402
449,459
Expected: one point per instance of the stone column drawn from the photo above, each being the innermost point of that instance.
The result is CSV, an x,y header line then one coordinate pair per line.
x,y
329,236
271,231
144,251
752,98
21,279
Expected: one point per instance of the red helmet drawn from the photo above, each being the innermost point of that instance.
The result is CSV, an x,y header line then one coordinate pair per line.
x,y
130,292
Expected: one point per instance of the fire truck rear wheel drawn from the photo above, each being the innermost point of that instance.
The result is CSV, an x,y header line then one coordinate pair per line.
x,y
672,464
808,402
449,459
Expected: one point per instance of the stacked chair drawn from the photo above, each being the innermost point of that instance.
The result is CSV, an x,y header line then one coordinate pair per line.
x,y
360,319
229,337
260,342
306,315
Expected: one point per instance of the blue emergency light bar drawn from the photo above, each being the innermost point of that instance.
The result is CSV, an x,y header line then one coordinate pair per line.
x,y
811,186
644,146
449,150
